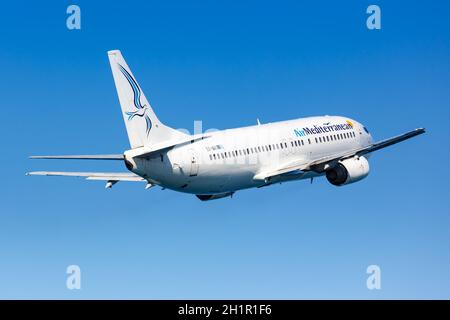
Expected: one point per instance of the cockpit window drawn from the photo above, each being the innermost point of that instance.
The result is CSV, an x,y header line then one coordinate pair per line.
x,y
365,129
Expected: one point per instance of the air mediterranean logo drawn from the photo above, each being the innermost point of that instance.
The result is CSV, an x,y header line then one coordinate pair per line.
x,y
326,128
141,110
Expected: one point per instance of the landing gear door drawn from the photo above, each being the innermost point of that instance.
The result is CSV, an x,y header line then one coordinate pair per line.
x,y
193,171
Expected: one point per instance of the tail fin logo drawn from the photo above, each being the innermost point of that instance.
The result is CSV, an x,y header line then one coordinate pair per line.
x,y
141,110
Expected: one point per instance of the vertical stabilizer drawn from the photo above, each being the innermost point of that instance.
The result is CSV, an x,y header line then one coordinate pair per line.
x,y
143,126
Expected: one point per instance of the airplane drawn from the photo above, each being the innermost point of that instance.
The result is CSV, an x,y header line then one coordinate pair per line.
x,y
215,165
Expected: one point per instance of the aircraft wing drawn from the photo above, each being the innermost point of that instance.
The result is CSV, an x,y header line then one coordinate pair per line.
x,y
111,177
321,164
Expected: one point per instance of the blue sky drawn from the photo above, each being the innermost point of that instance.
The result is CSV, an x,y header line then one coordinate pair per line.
x,y
225,63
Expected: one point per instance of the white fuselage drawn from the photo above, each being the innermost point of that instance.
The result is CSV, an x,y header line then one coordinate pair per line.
x,y
228,160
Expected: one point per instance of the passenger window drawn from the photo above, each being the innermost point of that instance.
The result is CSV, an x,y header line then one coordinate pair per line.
x,y
309,141
316,139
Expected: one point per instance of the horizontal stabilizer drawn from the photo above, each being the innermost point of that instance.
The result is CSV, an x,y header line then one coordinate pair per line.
x,y
106,176
84,157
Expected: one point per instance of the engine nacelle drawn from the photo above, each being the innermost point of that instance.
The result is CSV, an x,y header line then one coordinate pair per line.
x,y
348,171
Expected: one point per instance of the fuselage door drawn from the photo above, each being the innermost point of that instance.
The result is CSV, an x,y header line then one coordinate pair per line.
x,y
194,163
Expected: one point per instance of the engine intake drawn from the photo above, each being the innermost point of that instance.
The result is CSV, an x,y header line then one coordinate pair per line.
x,y
348,171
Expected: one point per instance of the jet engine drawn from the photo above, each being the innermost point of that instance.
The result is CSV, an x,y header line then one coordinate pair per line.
x,y
348,171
